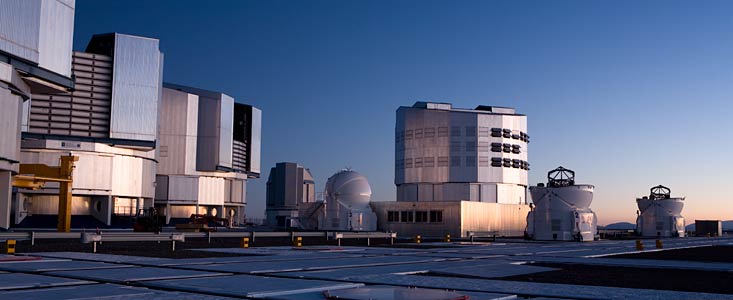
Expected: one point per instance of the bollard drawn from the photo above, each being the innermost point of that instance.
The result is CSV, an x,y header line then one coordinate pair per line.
x,y
418,239
659,244
447,238
639,245
9,247
245,243
298,241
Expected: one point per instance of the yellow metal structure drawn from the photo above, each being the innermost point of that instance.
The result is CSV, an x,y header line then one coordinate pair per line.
x,y
245,243
34,176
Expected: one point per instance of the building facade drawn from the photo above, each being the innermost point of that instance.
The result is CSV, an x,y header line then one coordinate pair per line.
x,y
35,57
448,154
208,147
110,121
289,186
458,170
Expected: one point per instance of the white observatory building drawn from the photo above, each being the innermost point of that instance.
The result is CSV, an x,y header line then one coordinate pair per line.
x,y
347,203
659,214
562,209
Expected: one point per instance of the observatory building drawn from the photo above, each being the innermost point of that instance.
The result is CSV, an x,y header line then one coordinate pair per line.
x,y
209,146
659,214
562,209
346,207
289,187
35,57
109,121
458,170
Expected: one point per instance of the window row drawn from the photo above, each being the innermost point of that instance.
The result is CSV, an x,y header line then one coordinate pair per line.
x,y
457,131
459,161
509,163
508,133
416,216
484,147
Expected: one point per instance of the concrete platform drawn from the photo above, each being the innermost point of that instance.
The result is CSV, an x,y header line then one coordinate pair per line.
x,y
311,264
105,291
57,265
11,281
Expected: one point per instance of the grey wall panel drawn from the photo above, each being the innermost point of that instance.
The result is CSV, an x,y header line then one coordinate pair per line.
x,y
40,31
226,131
56,36
183,188
10,122
161,187
207,149
20,30
136,88
255,145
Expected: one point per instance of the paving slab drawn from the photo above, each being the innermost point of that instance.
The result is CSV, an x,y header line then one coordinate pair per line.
x,y
320,296
636,263
242,259
533,288
105,291
57,265
124,275
10,281
95,257
491,271
249,285
314,264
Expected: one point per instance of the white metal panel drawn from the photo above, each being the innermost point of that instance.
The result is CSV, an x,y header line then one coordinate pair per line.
x,y
136,88
183,188
255,141
226,131
127,176
20,27
10,123
56,36
211,191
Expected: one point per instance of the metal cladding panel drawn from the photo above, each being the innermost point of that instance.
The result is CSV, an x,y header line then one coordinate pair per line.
x,y
211,190
20,28
507,219
255,141
10,122
237,192
127,175
161,187
136,88
183,188
226,131
208,141
93,172
177,138
56,36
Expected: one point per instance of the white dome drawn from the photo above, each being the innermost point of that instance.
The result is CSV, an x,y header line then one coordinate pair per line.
x,y
348,187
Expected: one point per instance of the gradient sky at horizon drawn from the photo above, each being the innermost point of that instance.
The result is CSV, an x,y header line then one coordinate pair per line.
x,y
629,94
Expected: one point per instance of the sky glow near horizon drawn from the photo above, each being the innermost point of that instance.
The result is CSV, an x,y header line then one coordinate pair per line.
x,y
628,94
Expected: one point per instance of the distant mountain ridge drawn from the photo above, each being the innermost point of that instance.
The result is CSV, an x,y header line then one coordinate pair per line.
x,y
620,226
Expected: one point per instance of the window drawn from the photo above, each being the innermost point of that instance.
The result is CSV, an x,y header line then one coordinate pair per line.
x,y
455,146
496,132
455,161
408,162
483,131
442,131
406,216
470,146
418,162
470,161
496,162
408,135
455,131
429,132
393,216
483,161
443,161
421,217
436,216
471,131
418,133
428,162
483,146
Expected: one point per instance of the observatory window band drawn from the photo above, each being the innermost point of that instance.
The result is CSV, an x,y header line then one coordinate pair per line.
x,y
421,216
393,216
509,163
429,162
510,134
418,162
418,133
442,131
406,216
429,132
442,161
483,131
436,216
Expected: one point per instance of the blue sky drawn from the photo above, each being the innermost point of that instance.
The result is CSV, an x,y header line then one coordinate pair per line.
x,y
629,94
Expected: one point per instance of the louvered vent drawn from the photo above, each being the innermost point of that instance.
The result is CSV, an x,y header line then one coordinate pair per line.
x,y
239,156
84,113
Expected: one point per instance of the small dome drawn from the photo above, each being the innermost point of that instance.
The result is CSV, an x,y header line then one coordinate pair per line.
x,y
348,187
